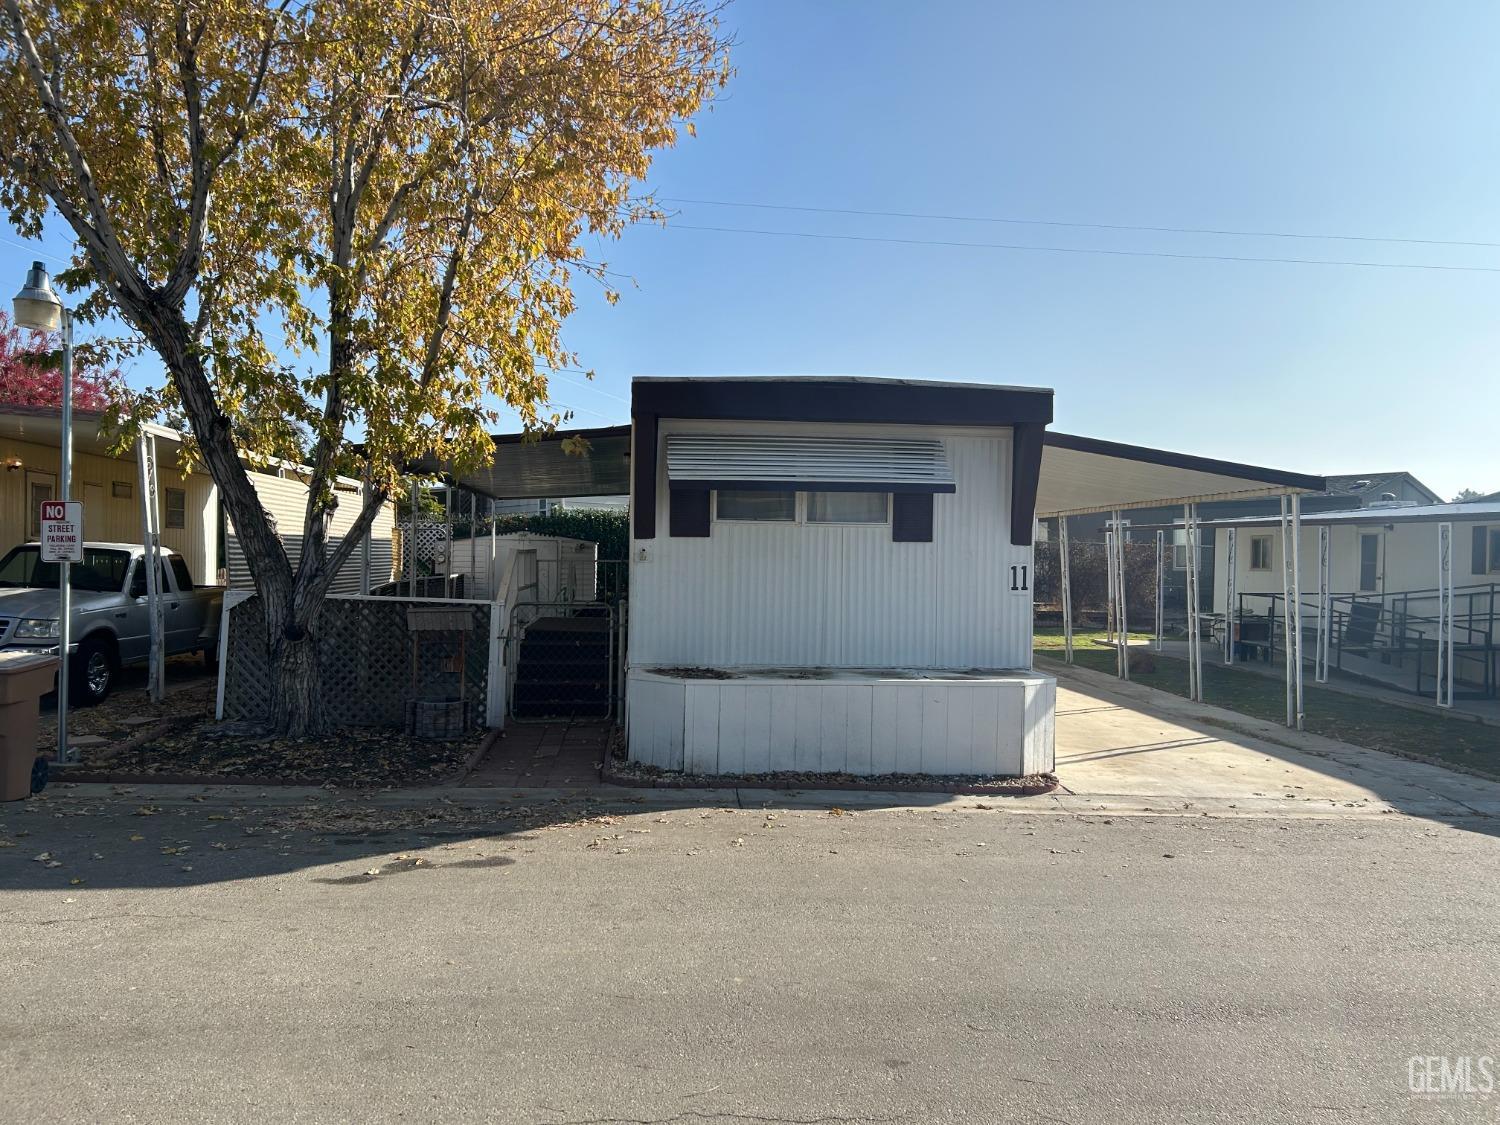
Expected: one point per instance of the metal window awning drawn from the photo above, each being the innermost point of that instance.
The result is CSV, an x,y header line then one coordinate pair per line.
x,y
825,463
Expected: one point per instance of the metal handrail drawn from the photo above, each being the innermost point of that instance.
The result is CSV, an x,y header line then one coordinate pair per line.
x,y
1399,634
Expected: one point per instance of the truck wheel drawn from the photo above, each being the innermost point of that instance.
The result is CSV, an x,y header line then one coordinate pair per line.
x,y
93,672
211,657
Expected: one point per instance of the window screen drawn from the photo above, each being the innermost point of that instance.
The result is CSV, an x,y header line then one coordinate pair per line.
x,y
736,504
846,507
1260,552
176,508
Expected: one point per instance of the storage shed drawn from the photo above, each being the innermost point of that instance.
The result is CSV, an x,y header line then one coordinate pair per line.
x,y
834,575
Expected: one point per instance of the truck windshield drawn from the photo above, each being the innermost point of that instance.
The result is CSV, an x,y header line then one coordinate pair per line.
x,y
101,571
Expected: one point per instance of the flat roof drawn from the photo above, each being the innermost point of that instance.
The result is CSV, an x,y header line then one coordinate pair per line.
x,y
826,398
1077,475
1479,511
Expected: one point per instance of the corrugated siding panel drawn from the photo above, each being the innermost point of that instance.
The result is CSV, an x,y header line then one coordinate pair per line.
x,y
286,502
909,461
843,596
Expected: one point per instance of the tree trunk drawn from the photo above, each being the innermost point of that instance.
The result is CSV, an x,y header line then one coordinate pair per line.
x,y
296,696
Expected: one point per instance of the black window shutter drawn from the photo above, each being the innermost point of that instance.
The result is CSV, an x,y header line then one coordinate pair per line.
x,y
911,517
1480,558
689,513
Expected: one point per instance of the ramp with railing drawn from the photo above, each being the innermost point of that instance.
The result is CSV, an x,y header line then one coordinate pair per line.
x,y
1391,638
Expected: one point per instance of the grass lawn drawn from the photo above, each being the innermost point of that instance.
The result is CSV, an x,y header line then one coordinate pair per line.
x,y
1051,641
1354,719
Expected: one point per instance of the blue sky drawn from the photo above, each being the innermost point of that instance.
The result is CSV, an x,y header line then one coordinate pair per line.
x,y
1368,119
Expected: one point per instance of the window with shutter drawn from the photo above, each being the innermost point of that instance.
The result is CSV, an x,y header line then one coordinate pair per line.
x,y
911,517
688,514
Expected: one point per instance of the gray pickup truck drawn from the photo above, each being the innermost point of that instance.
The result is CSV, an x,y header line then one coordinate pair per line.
x,y
111,625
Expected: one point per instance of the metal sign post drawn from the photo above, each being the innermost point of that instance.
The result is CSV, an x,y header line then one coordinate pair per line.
x,y
62,543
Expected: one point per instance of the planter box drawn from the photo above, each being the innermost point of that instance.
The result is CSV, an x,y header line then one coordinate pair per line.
x,y
862,721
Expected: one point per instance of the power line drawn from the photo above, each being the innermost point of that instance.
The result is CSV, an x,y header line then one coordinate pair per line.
x,y
1089,250
34,251
1080,226
588,384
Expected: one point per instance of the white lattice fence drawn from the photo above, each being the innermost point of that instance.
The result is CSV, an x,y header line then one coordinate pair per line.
x,y
434,547
366,654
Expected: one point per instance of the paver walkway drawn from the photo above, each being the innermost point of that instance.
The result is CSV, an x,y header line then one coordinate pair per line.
x,y
559,755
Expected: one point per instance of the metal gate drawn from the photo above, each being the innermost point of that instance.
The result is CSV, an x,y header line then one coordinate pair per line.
x,y
565,661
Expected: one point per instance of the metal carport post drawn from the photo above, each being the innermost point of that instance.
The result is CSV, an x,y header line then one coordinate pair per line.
x,y
1066,579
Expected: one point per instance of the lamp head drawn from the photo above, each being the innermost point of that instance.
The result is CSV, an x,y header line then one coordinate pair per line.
x,y
36,305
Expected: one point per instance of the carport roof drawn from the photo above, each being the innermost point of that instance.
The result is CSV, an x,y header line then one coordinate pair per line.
x,y
535,466
1079,475
1083,475
41,425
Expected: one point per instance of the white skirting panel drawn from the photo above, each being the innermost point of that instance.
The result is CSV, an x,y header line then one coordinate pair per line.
x,y
856,721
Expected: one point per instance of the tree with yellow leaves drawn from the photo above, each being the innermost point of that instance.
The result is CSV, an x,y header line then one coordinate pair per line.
x,y
341,213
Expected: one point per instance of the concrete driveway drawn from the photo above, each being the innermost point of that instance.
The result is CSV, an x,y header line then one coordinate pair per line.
x,y
1118,740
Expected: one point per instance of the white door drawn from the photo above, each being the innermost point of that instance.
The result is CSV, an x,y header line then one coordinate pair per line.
x,y
39,486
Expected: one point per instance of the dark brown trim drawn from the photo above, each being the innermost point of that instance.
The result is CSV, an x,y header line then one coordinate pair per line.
x,y
911,517
687,513
1025,476
643,473
1185,461
912,402
907,402
806,486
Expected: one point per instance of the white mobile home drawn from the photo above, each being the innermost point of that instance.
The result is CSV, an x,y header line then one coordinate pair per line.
x,y
825,575
819,577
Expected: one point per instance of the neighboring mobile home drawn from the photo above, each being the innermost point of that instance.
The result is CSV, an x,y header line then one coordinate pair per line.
x,y
189,514
1383,578
1346,492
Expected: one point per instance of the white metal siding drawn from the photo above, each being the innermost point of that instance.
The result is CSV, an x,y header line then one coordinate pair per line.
x,y
285,499
850,724
846,460
841,596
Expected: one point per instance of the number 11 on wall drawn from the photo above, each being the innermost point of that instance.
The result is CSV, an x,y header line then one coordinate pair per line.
x,y
1020,578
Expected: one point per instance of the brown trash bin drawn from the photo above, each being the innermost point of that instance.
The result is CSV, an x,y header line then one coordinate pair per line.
x,y
24,678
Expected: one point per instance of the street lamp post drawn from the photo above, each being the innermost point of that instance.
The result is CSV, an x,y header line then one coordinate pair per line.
x,y
37,306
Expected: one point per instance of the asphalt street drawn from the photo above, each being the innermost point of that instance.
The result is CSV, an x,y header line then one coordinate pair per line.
x,y
274,958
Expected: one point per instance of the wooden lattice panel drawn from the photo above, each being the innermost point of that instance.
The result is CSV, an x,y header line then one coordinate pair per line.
x,y
366,656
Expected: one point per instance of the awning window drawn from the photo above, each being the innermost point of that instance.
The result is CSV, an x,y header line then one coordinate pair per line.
x,y
827,464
